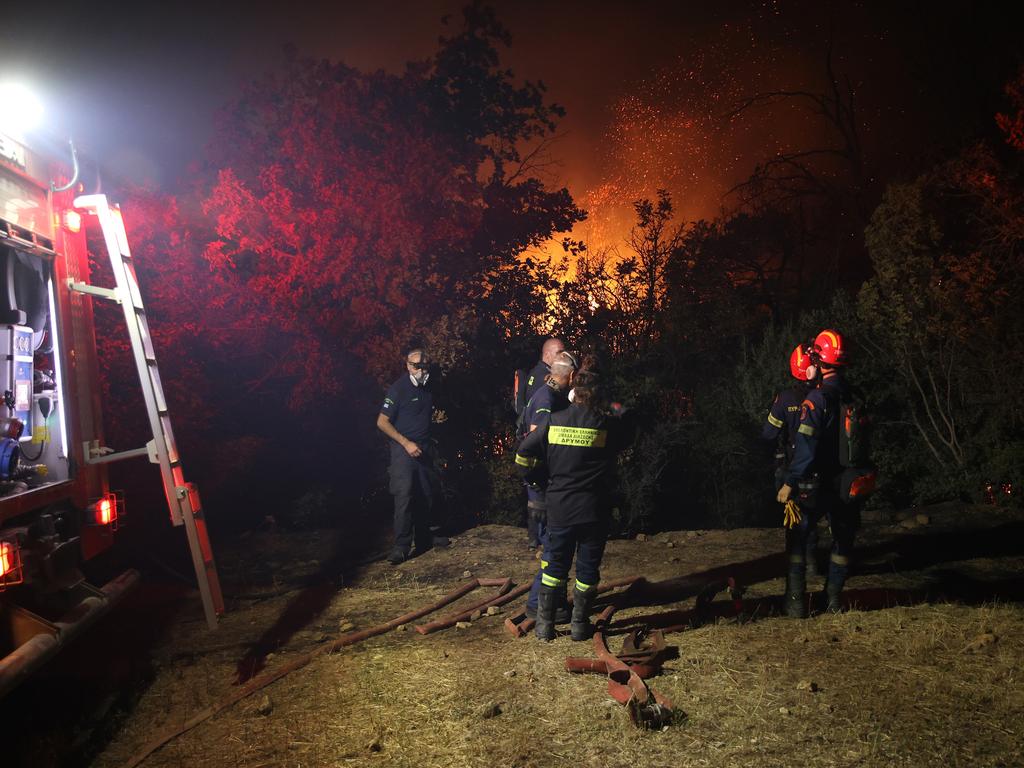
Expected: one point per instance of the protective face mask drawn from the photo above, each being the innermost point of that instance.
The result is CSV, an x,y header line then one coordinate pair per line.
x,y
421,377
811,372
572,395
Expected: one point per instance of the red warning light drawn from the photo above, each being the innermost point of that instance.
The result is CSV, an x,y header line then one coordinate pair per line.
x,y
103,511
10,564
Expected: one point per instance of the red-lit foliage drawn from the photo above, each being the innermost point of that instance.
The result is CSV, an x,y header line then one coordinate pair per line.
x,y
1012,122
340,216
360,210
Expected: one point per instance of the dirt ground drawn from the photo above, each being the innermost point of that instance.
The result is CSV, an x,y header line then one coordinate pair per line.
x,y
923,670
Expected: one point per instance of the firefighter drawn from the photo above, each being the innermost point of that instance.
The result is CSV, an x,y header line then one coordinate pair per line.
x,y
535,379
405,417
550,398
781,428
815,472
551,348
576,450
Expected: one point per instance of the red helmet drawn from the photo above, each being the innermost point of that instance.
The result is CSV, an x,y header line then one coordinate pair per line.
x,y
830,348
799,362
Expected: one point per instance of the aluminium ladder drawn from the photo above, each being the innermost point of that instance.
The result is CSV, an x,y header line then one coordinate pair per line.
x,y
182,497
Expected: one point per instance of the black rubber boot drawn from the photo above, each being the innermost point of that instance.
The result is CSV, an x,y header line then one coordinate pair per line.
x,y
795,600
582,602
834,587
561,609
545,626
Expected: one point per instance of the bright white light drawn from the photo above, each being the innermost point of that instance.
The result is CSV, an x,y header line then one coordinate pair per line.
x,y
55,333
20,110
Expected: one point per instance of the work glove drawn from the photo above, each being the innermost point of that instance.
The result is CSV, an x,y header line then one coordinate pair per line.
x,y
791,515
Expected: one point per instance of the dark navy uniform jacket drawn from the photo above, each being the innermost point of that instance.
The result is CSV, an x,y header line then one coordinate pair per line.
x,y
577,448
409,407
545,401
784,417
535,378
816,447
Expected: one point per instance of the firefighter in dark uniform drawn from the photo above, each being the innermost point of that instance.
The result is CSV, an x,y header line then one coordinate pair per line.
x,y
405,417
550,398
535,379
576,450
781,428
814,477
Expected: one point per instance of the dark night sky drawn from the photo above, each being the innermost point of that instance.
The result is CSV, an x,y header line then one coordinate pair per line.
x,y
644,83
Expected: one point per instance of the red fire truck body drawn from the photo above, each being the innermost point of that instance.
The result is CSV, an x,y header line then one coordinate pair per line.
x,y
56,508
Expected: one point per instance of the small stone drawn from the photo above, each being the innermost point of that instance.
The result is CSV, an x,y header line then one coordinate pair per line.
x,y
493,610
983,640
510,673
783,710
266,706
463,624
909,523
671,544
467,574
323,637
674,560
641,537
923,519
807,685
346,626
475,615
489,710
800,640
401,628
691,534
269,656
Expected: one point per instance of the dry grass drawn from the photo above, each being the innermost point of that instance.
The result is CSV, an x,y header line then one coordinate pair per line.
x,y
895,687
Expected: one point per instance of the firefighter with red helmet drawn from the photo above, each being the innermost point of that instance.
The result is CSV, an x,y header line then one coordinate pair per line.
x,y
781,428
814,476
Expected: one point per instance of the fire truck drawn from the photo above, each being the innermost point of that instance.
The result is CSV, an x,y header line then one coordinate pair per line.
x,y
57,509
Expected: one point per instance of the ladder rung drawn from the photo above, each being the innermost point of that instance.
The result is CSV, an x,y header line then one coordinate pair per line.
x,y
94,290
119,456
